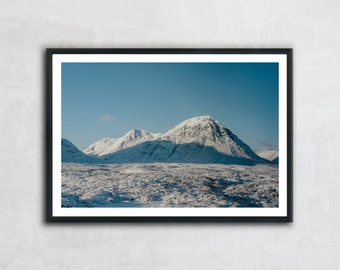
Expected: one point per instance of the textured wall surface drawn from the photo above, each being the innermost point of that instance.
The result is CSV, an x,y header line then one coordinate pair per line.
x,y
310,27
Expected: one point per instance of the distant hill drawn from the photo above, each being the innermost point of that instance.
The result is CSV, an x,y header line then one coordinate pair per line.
x,y
269,154
70,153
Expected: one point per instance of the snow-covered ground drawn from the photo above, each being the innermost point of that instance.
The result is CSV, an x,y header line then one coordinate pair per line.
x,y
169,185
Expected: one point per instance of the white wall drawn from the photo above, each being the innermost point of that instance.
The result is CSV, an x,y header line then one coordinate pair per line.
x,y
311,27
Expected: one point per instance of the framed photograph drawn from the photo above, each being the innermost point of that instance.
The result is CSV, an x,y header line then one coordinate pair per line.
x,y
169,135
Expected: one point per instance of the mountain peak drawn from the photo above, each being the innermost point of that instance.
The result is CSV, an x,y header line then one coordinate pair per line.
x,y
206,131
197,121
201,118
137,132
202,123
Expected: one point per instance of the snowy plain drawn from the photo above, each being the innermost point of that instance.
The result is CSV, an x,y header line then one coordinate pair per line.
x,y
169,185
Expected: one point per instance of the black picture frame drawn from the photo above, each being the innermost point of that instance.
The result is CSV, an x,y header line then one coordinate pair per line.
x,y
52,128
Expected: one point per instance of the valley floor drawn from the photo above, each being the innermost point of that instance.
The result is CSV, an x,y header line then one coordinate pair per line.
x,y
169,185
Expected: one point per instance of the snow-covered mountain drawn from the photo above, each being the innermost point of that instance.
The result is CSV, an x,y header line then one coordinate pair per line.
x,y
206,131
111,145
197,140
70,153
269,154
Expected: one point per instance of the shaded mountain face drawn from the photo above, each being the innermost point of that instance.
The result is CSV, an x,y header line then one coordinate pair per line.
x,y
167,151
197,140
275,160
70,153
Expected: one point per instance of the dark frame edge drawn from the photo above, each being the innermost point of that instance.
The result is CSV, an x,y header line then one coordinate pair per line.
x,y
170,219
49,137
290,135
168,50
135,219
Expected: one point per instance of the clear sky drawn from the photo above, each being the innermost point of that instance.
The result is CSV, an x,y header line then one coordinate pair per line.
x,y
108,99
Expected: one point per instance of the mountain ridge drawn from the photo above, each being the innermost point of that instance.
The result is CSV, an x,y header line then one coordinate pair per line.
x,y
199,139
110,145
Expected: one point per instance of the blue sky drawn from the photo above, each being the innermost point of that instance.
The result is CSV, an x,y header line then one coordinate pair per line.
x,y
108,99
